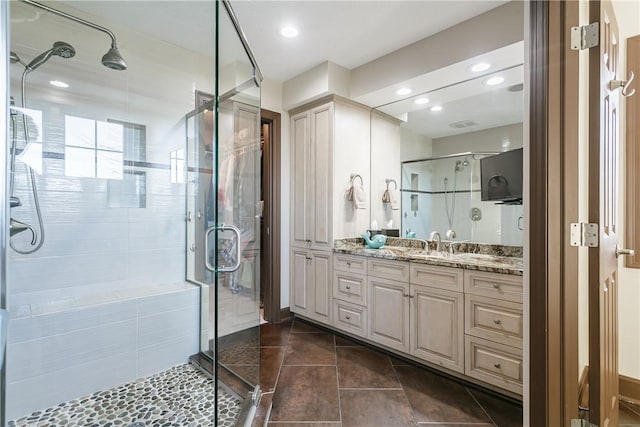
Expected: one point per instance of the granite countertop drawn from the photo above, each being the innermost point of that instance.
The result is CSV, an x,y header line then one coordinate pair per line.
x,y
470,256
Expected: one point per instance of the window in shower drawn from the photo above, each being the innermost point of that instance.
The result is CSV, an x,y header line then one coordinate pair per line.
x,y
177,166
93,149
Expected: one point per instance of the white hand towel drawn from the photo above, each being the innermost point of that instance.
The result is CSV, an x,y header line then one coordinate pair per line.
x,y
395,199
359,197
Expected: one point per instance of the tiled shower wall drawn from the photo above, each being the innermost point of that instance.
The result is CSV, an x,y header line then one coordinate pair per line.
x,y
104,301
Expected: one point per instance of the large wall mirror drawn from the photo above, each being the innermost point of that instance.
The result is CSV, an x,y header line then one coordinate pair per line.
x,y
429,146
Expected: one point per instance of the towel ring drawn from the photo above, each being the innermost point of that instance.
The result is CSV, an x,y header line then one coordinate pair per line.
x,y
353,178
389,181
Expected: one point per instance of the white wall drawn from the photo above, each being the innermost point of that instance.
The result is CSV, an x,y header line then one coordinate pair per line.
x,y
628,15
414,146
385,164
496,140
351,156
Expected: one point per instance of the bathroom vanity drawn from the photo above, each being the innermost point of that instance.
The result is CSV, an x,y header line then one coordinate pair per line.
x,y
459,312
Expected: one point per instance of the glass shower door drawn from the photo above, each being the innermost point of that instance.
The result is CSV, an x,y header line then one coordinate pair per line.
x,y
223,216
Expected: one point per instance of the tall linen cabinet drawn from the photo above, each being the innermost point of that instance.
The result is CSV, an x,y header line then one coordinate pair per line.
x,y
330,142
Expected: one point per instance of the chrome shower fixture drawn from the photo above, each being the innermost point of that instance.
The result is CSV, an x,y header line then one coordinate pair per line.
x,y
61,49
16,59
112,59
460,164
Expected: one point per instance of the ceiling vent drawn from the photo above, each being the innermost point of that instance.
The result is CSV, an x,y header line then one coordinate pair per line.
x,y
463,124
516,88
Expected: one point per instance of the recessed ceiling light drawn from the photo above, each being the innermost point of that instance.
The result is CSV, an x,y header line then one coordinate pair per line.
x,y
422,101
436,108
289,31
404,91
495,80
480,66
58,83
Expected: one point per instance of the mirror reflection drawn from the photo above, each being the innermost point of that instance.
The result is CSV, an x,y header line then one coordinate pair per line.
x,y
444,135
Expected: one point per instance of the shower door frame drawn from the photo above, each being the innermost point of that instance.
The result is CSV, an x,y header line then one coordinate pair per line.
x,y
4,190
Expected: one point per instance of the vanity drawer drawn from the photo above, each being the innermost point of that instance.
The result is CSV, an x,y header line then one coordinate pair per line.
x,y
350,317
437,277
350,287
493,285
495,320
351,263
494,363
386,269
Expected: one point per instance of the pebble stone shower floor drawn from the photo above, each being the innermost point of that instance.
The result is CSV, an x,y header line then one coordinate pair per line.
x,y
180,396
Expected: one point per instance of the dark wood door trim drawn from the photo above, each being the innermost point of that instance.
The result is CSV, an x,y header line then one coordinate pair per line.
x,y
272,198
553,154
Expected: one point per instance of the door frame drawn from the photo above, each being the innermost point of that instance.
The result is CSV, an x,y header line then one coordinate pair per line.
x,y
553,206
272,206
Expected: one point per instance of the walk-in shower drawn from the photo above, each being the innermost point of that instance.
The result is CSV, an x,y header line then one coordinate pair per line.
x,y
443,194
104,318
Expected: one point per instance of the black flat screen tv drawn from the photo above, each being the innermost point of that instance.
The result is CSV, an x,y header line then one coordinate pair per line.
x,y
501,177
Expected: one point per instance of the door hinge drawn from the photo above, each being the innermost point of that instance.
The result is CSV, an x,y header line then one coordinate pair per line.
x,y
584,234
585,37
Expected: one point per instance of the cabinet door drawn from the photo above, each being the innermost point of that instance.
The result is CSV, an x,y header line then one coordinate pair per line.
x,y
389,313
300,182
322,300
321,171
437,327
300,281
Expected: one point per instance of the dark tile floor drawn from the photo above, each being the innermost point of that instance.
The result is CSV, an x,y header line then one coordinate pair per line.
x,y
315,378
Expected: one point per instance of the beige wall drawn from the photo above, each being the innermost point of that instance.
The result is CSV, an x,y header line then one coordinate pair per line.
x,y
628,15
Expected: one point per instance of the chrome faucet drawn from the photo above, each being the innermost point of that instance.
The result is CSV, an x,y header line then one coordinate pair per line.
x,y
436,236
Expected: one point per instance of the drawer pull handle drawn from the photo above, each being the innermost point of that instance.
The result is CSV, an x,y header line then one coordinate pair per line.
x,y
348,287
497,321
496,285
497,365
348,317
348,263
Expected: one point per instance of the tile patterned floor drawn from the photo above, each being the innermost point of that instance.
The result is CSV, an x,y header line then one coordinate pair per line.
x,y
315,378
178,397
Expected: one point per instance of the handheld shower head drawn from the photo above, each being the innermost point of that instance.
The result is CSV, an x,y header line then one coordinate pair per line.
x,y
112,59
61,49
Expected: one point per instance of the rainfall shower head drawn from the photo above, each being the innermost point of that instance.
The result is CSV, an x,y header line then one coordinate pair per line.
x,y
112,59
61,49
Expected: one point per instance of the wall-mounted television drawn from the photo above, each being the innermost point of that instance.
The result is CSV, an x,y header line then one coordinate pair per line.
x,y
501,177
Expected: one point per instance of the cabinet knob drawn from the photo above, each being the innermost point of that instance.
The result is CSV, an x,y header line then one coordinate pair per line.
x,y
308,258
348,317
411,296
348,287
497,365
348,263
497,321
496,285
405,295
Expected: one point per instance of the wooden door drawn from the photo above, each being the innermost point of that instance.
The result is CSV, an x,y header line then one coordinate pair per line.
x,y
389,312
603,202
322,289
300,267
437,318
322,172
300,185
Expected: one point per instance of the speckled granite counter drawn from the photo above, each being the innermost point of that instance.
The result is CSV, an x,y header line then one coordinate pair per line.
x,y
470,256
